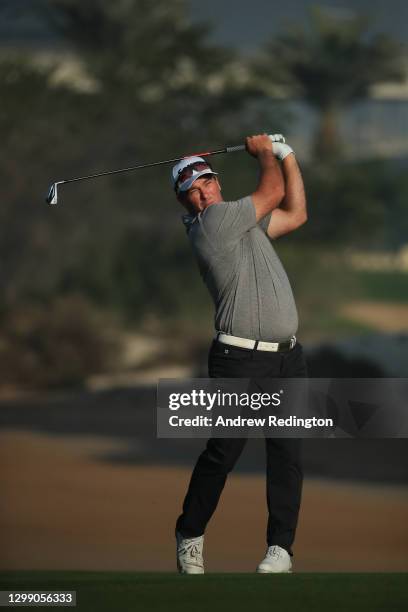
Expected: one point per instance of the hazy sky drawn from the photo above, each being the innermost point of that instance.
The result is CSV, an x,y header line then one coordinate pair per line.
x,y
247,23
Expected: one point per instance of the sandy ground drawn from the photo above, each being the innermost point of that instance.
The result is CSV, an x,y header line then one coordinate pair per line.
x,y
383,316
62,508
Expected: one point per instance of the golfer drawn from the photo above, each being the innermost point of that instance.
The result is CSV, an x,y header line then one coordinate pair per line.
x,y
256,321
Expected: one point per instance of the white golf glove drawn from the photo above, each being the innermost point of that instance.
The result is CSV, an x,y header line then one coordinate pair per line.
x,y
279,148
277,137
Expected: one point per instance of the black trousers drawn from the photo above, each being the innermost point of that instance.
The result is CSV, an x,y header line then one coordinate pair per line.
x,y
284,474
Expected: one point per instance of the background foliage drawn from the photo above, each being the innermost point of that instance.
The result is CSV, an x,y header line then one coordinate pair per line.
x,y
157,88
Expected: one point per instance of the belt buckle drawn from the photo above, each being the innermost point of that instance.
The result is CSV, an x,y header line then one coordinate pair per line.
x,y
292,342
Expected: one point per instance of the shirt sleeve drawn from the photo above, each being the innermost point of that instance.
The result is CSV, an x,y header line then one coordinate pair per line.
x,y
226,222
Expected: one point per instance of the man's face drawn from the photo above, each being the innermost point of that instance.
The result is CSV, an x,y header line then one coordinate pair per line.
x,y
203,192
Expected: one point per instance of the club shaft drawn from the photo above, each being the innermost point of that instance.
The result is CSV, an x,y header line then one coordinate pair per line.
x,y
160,163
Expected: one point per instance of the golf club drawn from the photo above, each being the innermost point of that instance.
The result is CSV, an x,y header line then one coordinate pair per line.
x,y
52,196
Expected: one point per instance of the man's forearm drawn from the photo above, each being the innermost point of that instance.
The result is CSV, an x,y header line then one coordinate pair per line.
x,y
294,201
271,187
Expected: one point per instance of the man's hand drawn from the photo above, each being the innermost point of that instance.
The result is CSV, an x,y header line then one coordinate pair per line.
x,y
257,145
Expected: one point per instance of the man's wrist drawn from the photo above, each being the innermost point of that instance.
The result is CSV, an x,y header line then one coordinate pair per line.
x,y
266,157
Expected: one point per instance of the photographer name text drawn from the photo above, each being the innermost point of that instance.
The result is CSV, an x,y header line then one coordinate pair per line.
x,y
238,421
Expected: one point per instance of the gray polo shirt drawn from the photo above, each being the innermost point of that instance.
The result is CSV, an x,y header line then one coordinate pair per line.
x,y
251,291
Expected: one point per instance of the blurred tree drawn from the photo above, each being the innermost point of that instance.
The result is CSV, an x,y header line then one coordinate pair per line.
x,y
361,204
159,69
162,90
347,206
39,127
20,128
329,65
59,345
150,50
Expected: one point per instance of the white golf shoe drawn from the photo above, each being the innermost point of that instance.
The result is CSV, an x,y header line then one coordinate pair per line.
x,y
190,554
277,561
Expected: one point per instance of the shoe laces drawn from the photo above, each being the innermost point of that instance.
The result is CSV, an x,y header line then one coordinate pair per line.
x,y
273,551
191,547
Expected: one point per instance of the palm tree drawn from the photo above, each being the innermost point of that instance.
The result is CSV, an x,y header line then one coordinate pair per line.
x,y
329,65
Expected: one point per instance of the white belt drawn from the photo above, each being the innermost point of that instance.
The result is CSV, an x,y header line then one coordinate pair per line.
x,y
259,345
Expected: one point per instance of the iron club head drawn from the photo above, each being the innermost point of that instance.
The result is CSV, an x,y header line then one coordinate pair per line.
x,y
52,197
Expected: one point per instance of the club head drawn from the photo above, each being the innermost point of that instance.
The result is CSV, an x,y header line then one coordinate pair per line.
x,y
52,197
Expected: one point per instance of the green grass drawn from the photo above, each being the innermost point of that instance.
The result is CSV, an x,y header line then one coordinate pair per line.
x,y
329,325
383,286
147,592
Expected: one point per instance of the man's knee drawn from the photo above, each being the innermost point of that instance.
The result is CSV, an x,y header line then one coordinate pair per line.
x,y
287,451
222,454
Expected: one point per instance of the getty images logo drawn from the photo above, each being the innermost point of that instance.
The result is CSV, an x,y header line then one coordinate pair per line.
x,y
207,401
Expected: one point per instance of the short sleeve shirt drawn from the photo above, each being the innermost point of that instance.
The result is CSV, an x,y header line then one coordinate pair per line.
x,y
246,279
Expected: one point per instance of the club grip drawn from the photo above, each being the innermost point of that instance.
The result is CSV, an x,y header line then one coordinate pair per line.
x,y
273,137
236,148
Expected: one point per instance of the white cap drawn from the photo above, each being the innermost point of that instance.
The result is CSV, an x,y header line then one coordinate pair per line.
x,y
187,161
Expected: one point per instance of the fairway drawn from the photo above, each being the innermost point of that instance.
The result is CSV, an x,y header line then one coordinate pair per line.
x,y
102,591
